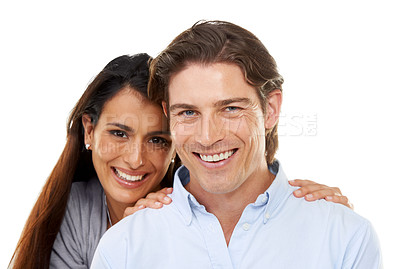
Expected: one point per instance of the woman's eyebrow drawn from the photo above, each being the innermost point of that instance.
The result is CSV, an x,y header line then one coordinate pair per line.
x,y
121,126
160,133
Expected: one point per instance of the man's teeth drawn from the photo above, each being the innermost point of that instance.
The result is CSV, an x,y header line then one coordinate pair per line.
x,y
217,157
127,177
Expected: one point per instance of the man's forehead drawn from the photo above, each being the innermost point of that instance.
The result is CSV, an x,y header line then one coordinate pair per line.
x,y
212,83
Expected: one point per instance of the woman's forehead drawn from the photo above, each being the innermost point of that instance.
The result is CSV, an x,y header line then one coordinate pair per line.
x,y
133,110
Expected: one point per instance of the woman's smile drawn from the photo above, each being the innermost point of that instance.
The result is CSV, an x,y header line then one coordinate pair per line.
x,y
131,147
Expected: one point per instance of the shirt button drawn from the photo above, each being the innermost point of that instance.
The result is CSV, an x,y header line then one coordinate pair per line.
x,y
264,200
267,216
246,226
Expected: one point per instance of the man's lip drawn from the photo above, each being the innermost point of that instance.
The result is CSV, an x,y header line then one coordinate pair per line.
x,y
215,153
217,164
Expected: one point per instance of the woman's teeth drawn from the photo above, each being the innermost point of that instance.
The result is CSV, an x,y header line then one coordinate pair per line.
x,y
217,157
127,177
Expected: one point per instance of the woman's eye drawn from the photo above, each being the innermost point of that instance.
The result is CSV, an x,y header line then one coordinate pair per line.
x,y
118,133
158,141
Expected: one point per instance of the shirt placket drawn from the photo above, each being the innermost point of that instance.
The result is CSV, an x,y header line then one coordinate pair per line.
x,y
214,239
245,231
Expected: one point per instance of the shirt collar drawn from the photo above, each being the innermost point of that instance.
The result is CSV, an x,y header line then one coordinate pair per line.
x,y
277,192
180,195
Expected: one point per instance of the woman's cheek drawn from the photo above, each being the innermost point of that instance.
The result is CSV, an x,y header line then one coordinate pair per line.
x,y
160,156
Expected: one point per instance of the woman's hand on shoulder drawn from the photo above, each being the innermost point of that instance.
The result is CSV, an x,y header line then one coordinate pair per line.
x,y
152,200
312,191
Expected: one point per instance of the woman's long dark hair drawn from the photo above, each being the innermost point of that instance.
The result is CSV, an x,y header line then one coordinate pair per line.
x,y
75,163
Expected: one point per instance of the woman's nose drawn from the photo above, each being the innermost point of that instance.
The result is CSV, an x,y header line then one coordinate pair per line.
x,y
135,155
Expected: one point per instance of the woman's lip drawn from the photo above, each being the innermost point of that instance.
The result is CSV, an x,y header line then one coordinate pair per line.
x,y
130,172
129,184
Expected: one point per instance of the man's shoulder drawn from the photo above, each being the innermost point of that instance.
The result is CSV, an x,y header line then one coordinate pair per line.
x,y
326,212
144,225
157,217
149,217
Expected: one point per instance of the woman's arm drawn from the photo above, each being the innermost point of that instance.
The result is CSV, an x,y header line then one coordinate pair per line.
x,y
83,225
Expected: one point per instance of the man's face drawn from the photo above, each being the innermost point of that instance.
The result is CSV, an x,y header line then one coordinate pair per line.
x,y
218,126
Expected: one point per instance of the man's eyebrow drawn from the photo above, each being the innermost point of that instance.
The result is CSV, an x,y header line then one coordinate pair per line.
x,y
182,106
121,126
226,102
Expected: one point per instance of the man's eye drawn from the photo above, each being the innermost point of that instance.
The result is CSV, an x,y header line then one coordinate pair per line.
x,y
118,133
188,113
232,109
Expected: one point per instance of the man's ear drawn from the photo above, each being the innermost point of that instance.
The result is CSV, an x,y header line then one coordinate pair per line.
x,y
273,108
89,128
164,108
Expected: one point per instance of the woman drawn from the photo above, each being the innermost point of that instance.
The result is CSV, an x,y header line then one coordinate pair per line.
x,y
118,150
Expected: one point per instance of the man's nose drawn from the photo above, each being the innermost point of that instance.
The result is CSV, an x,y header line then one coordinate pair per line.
x,y
209,130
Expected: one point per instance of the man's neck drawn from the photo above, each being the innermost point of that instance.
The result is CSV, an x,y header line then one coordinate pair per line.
x,y
228,207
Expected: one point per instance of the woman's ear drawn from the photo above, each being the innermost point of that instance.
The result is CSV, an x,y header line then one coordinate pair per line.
x,y
273,108
164,108
89,129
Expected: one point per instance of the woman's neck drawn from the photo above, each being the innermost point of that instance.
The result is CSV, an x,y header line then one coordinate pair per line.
x,y
115,211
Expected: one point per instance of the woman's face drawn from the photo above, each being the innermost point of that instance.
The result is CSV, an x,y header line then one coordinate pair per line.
x,y
131,147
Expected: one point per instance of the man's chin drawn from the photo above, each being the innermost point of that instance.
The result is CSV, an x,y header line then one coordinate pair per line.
x,y
217,185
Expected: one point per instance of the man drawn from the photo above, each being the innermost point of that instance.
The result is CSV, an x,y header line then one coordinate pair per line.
x,y
232,204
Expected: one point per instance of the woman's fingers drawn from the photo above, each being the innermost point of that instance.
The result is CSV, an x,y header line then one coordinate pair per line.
x,y
166,190
141,204
300,182
312,191
131,210
152,200
340,200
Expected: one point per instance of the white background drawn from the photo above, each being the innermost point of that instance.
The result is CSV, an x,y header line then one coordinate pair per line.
x,y
340,61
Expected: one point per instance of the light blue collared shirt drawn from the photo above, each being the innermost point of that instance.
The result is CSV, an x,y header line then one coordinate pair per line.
x,y
277,231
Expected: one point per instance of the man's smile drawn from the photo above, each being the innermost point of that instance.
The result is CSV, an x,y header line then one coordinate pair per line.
x,y
216,157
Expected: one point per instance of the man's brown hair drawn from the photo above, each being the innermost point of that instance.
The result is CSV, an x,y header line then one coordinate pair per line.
x,y
208,42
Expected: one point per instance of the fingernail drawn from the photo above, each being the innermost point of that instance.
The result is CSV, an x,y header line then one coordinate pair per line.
x,y
329,198
141,206
297,192
169,189
291,181
167,199
309,196
158,204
